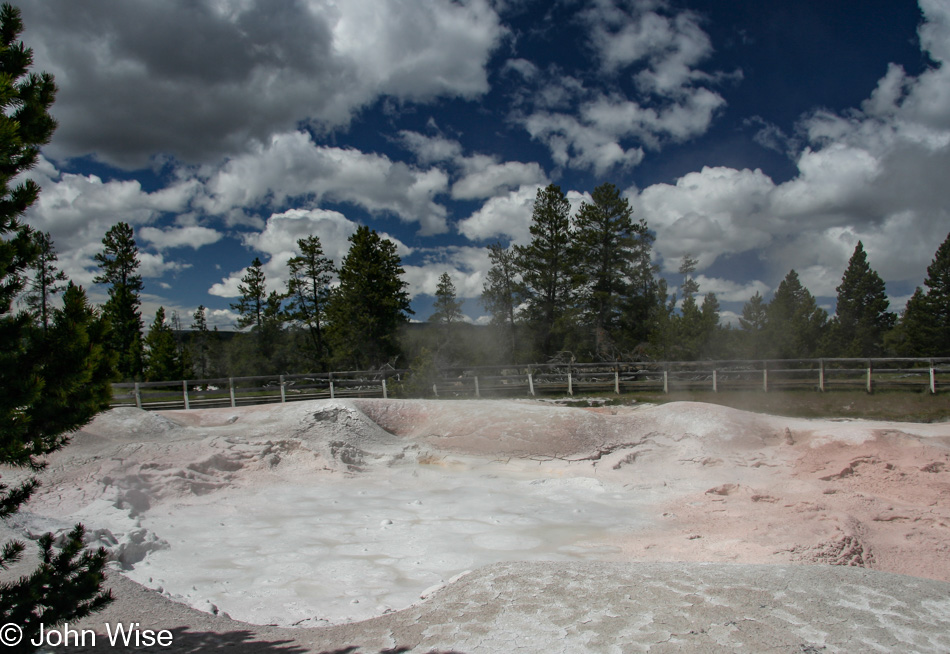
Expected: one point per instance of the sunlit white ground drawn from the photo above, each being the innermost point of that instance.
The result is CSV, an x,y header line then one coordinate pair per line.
x,y
357,547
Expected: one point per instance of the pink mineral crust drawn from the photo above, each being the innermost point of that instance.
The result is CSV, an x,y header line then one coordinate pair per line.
x,y
727,485
881,503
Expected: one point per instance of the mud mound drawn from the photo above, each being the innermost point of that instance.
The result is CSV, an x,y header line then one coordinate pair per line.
x,y
127,424
494,427
524,428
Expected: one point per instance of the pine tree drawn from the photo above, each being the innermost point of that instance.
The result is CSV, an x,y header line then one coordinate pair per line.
x,y
675,335
645,307
199,346
309,290
253,298
118,263
753,322
185,369
269,335
687,267
660,337
925,325
370,304
545,268
695,328
46,281
263,313
861,316
795,323
53,381
448,309
162,360
609,251
714,332
501,295
447,314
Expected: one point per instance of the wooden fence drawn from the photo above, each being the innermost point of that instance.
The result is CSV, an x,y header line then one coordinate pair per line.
x,y
922,375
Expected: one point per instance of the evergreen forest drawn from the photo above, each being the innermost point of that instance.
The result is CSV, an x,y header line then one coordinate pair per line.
x,y
584,289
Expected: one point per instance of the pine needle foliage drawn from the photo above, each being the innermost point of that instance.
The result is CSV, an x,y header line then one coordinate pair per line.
x,y
370,304
54,380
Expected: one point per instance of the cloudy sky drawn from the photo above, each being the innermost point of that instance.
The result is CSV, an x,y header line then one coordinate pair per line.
x,y
757,136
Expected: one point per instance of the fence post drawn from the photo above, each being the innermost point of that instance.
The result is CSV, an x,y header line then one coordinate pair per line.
x,y
477,393
531,383
184,392
283,391
821,375
715,381
765,377
570,382
869,376
933,378
435,389
138,394
231,389
332,390
666,380
385,393
617,380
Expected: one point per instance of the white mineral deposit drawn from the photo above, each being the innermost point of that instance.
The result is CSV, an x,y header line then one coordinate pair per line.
x,y
323,513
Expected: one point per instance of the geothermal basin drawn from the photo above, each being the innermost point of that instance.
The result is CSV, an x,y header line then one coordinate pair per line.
x,y
323,513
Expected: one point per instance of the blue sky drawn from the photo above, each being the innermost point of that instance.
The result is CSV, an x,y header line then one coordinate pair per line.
x,y
756,136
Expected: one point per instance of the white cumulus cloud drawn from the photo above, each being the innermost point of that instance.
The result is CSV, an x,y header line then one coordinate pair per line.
x,y
193,236
291,166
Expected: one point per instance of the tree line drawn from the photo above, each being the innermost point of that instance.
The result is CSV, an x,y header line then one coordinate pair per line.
x,y
583,289
346,318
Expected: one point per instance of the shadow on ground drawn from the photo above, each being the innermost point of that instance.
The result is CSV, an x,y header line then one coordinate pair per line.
x,y
185,641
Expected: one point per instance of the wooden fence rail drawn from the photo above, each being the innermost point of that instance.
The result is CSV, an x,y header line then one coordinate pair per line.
x,y
928,375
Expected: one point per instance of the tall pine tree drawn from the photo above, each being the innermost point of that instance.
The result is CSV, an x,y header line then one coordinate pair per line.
x,y
753,322
861,316
53,381
796,325
263,313
501,295
446,315
370,305
311,272
253,296
162,359
925,325
47,279
545,267
200,345
118,263
447,307
610,252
